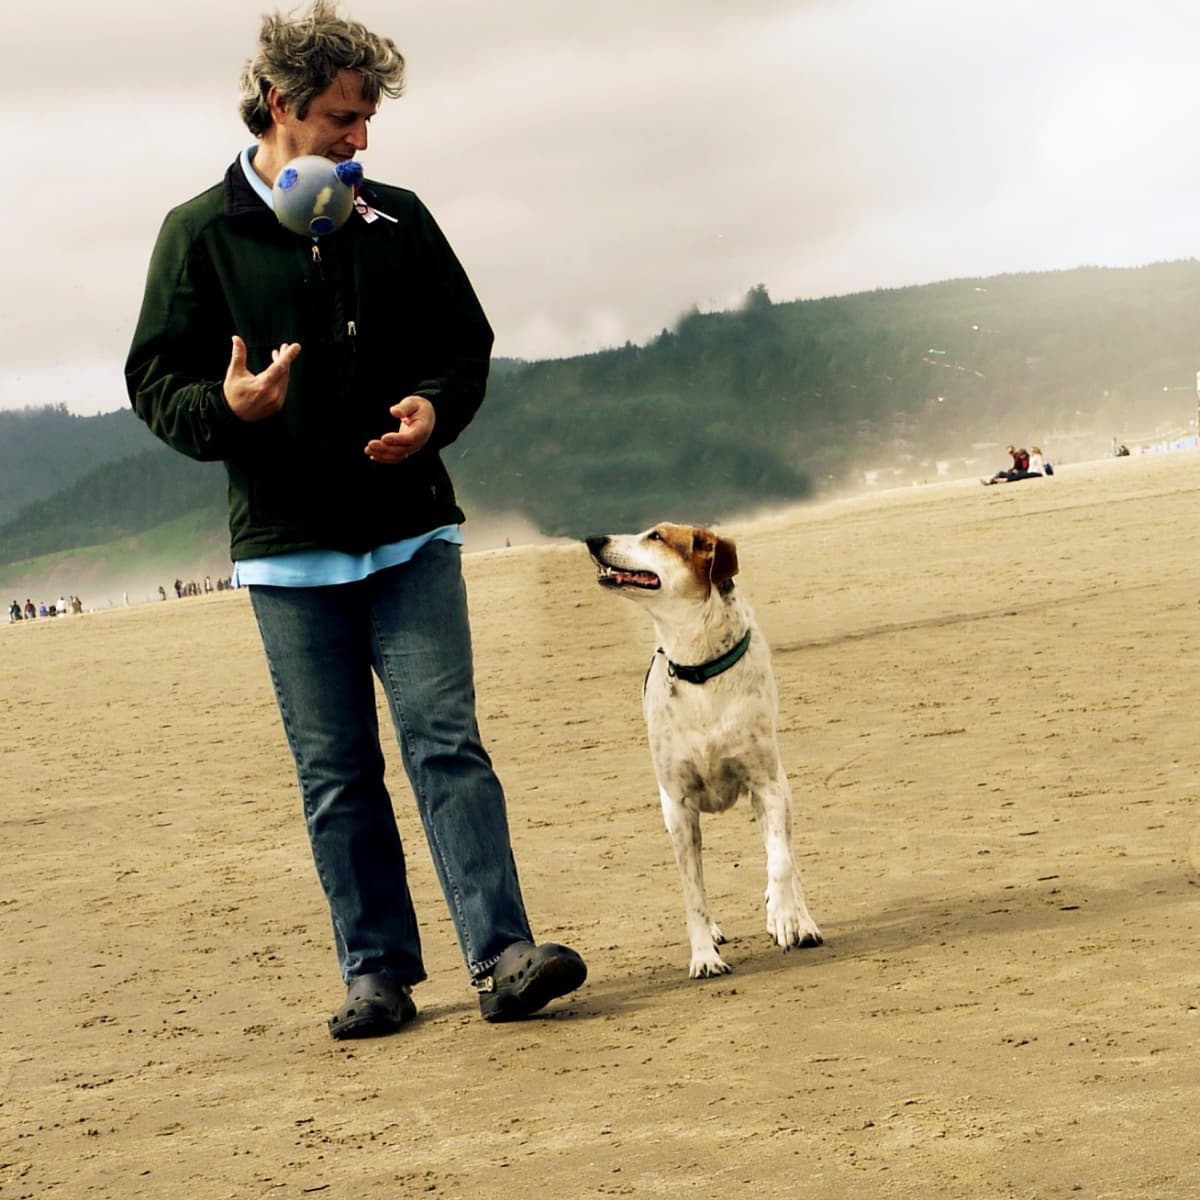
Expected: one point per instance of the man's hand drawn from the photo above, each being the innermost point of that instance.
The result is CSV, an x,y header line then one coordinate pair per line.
x,y
416,417
256,397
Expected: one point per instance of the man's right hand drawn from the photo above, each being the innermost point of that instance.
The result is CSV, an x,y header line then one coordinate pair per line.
x,y
256,397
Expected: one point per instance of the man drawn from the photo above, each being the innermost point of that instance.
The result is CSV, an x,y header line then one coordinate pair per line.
x,y
327,375
1019,469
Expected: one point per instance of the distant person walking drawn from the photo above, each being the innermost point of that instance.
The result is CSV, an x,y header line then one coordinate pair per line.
x,y
328,375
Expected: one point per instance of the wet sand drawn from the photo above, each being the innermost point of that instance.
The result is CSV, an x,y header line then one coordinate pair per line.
x,y
988,715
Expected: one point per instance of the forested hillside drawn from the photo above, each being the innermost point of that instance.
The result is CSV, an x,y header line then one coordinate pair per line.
x,y
114,501
724,413
46,449
732,410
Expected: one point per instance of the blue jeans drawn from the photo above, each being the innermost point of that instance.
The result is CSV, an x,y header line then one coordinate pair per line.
x,y
407,624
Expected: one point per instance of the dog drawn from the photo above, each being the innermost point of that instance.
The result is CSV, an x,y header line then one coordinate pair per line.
x,y
711,709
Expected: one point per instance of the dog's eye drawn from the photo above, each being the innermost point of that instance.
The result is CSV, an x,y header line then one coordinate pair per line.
x,y
654,536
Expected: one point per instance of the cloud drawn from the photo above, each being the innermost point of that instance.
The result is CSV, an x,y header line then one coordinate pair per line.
x,y
84,385
600,169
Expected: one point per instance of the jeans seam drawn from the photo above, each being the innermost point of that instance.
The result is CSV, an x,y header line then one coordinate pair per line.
x,y
302,778
434,840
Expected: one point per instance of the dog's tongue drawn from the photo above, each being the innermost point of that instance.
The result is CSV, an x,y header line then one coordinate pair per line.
x,y
617,577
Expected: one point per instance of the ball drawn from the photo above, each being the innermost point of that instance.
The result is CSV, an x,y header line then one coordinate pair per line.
x,y
314,196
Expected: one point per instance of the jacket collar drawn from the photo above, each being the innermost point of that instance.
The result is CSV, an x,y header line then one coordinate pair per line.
x,y
241,200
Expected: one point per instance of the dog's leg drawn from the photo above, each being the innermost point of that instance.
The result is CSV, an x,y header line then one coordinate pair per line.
x,y
788,920
683,825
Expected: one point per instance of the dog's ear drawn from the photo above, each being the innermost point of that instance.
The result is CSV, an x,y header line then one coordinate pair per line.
x,y
725,562
721,554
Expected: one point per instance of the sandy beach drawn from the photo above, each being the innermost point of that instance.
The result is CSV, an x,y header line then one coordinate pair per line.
x,y
988,715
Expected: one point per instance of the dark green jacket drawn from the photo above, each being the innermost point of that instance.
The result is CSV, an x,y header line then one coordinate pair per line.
x,y
381,310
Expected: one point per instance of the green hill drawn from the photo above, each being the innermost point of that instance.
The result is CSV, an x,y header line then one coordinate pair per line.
x,y
44,450
115,500
781,401
189,547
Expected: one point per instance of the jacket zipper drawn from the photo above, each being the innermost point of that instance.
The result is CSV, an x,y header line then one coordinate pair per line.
x,y
351,326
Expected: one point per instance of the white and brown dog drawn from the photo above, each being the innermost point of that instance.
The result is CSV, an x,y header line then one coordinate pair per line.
x,y
711,706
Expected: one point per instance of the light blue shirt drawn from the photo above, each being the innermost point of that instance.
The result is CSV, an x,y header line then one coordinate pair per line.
x,y
319,568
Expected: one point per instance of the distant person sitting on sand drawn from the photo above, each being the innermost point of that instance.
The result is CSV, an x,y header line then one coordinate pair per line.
x,y
1038,465
1025,466
14,612
1020,465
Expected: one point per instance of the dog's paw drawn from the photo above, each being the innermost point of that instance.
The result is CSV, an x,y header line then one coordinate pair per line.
x,y
793,927
788,920
704,966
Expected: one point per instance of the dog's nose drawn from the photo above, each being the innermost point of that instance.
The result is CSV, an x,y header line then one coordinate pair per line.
x,y
596,542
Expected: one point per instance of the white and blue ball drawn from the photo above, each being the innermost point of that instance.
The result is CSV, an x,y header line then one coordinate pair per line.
x,y
314,196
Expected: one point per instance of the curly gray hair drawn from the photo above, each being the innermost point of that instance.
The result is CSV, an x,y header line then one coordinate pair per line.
x,y
301,56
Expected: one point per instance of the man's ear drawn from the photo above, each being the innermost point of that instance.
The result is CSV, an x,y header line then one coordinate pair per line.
x,y
277,105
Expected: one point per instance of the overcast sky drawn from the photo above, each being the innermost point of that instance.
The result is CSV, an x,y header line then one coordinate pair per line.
x,y
602,166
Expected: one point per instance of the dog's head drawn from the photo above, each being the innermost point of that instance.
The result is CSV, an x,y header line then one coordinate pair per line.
x,y
677,561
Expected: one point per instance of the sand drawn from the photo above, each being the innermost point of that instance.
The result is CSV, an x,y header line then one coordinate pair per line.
x,y
988,714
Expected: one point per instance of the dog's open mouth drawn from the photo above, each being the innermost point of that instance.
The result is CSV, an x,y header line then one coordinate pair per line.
x,y
615,577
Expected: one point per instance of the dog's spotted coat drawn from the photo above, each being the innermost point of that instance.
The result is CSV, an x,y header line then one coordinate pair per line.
x,y
710,742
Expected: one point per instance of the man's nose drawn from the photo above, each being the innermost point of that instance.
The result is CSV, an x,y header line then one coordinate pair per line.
x,y
358,136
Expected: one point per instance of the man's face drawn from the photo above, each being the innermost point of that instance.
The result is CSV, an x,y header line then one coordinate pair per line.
x,y
335,125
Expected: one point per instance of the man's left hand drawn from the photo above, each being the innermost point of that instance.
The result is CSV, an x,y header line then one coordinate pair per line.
x,y
416,417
